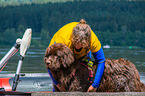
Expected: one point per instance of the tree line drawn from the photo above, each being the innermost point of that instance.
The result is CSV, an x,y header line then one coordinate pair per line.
x,y
115,23
21,2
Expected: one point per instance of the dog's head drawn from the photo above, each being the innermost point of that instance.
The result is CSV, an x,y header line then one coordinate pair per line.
x,y
58,56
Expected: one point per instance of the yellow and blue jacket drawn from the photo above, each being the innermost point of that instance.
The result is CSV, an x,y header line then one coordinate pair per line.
x,y
64,36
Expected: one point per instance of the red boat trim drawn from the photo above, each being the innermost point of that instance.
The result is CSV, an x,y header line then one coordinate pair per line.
x,y
4,83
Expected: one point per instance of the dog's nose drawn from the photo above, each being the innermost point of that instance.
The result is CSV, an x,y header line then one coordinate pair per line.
x,y
48,62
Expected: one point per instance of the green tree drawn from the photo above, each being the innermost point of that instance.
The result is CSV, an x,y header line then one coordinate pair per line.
x,y
45,38
20,31
9,36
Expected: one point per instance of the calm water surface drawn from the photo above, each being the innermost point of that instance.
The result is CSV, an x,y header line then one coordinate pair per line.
x,y
33,62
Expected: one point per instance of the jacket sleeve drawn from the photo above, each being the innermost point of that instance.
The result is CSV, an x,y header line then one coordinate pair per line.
x,y
54,81
100,59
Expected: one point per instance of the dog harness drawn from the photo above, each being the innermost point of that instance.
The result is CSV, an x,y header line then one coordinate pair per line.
x,y
90,73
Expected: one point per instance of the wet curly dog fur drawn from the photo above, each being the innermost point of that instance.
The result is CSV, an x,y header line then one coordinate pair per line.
x,y
119,75
70,74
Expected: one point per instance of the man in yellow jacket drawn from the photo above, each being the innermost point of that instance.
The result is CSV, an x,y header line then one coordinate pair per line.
x,y
79,37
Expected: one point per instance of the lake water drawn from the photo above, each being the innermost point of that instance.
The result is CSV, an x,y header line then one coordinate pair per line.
x,y
33,62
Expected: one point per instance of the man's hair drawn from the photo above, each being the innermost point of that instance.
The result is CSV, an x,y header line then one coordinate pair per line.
x,y
82,34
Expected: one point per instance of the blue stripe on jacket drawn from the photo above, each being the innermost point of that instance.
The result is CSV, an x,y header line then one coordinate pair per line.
x,y
100,59
54,81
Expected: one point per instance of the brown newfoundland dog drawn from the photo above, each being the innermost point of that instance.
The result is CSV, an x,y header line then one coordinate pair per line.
x,y
119,75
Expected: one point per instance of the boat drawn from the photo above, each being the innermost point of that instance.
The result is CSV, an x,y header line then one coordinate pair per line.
x,y
106,46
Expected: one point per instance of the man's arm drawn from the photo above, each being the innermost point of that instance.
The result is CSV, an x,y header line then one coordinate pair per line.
x,y
100,59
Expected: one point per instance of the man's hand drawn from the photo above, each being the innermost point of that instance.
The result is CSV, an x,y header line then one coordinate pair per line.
x,y
91,89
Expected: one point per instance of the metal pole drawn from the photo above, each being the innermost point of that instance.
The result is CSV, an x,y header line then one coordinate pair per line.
x,y
10,53
16,79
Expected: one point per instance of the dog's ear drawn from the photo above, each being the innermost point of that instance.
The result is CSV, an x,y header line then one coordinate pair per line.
x,y
67,58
